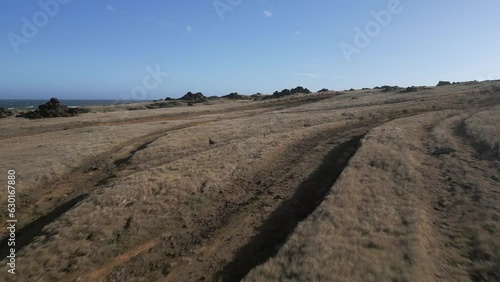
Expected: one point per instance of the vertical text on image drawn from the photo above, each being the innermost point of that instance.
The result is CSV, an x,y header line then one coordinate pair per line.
x,y
11,221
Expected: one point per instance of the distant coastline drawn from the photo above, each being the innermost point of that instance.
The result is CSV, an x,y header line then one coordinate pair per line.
x,y
28,104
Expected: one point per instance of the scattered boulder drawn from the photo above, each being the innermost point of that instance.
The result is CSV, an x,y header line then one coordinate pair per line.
x,y
387,88
414,89
467,82
258,96
300,89
286,92
444,83
197,97
233,96
5,113
411,89
52,109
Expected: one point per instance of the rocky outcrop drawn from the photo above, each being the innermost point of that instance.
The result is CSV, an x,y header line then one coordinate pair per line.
x,y
387,88
5,113
286,92
444,83
233,96
197,97
52,109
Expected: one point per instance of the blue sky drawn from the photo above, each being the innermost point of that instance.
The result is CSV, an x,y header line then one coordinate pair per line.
x,y
101,48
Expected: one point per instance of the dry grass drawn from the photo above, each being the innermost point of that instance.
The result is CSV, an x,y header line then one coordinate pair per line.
x,y
411,206
373,225
483,129
378,223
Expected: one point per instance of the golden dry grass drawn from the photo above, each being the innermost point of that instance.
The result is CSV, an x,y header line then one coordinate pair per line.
x,y
201,202
411,206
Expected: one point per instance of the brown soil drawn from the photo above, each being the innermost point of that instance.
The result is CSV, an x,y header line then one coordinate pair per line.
x,y
227,201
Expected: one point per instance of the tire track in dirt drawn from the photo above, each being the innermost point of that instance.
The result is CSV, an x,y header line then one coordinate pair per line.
x,y
90,175
224,225
97,171
466,201
80,183
254,109
229,230
34,229
109,163
281,223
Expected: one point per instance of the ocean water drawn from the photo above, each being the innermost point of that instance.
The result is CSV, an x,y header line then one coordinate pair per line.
x,y
33,104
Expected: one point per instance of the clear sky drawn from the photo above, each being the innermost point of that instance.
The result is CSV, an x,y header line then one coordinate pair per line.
x,y
101,49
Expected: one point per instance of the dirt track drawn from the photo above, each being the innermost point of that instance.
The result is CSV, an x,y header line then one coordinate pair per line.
x,y
227,232
266,189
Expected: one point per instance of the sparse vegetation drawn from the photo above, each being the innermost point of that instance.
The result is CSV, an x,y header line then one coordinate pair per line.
x,y
159,105
185,191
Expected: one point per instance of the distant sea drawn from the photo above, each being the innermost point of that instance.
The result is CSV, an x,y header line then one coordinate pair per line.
x,y
33,104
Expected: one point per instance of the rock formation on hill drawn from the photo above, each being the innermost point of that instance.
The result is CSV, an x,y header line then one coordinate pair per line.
x,y
4,113
443,83
233,96
197,97
51,109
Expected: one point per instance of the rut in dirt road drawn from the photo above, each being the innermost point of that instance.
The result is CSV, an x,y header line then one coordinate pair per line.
x,y
28,233
276,229
125,160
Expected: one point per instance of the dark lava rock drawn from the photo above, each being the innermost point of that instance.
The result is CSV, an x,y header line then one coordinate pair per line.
x,y
387,88
411,89
51,109
5,113
286,92
233,96
197,97
444,83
